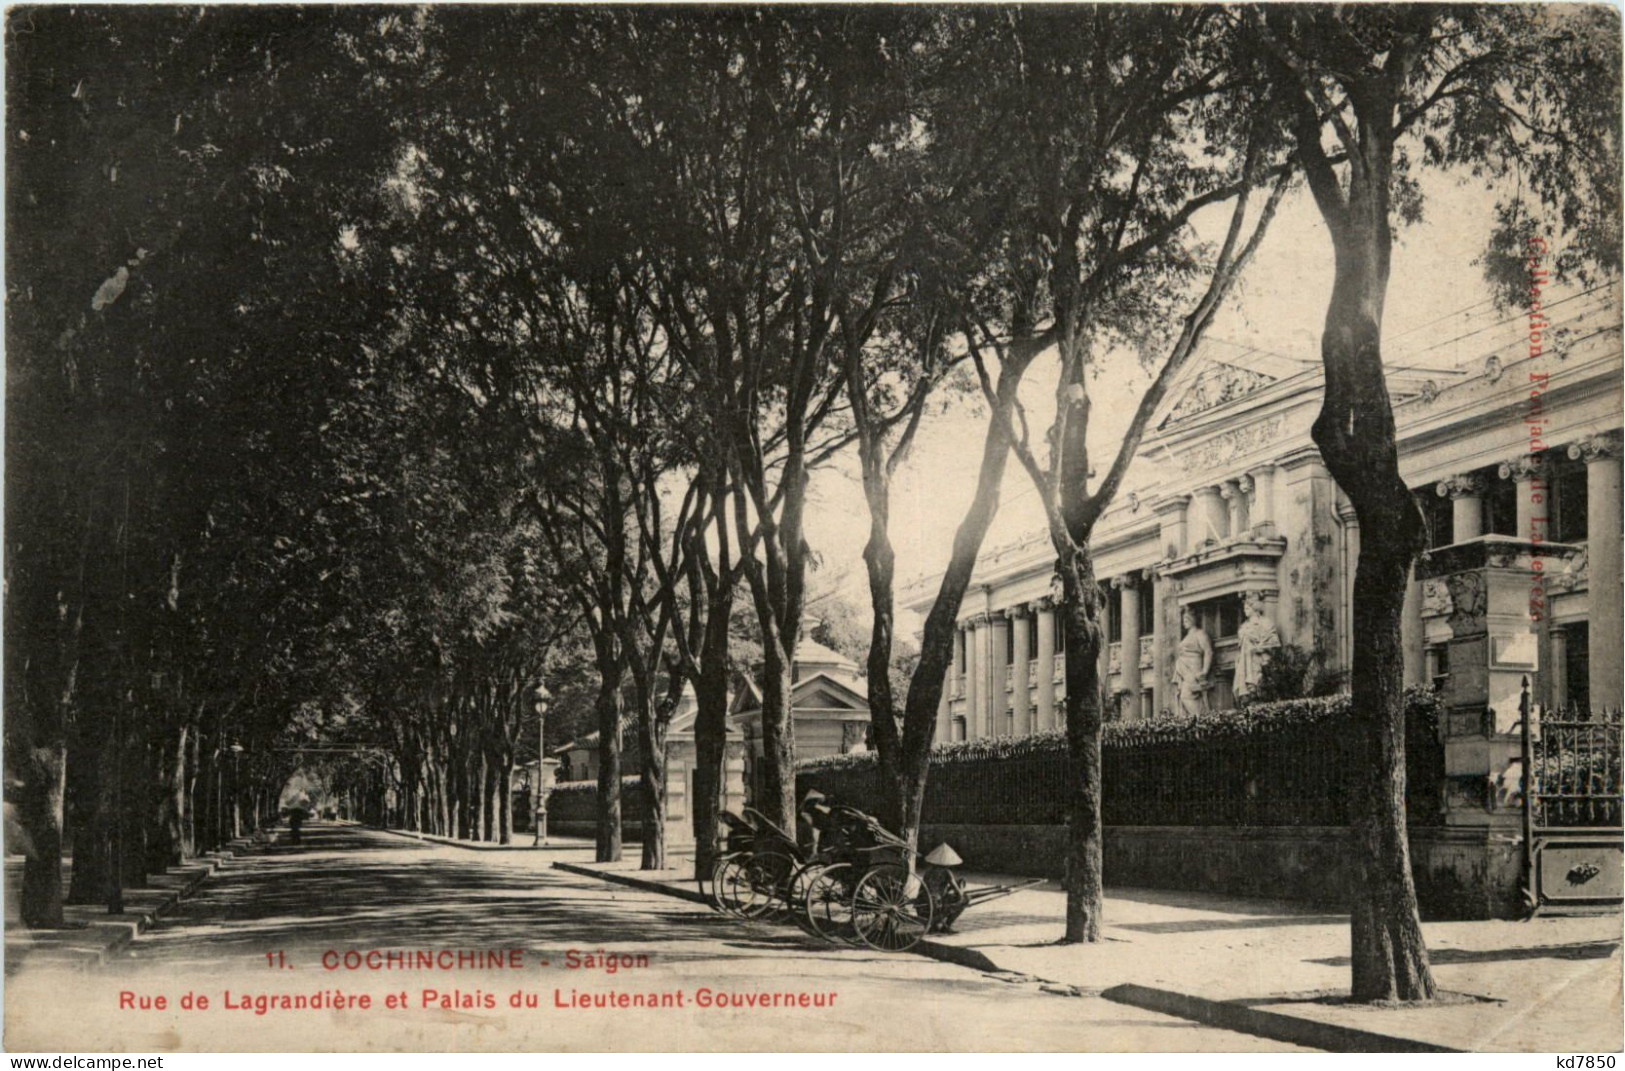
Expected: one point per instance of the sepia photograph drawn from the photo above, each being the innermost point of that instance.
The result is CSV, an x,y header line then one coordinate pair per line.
x,y
806,528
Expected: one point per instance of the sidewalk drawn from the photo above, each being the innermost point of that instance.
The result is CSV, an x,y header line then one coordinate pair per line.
x,y
521,842
93,935
1280,970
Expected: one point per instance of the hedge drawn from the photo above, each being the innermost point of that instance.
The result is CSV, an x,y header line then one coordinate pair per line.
x,y
576,802
1274,764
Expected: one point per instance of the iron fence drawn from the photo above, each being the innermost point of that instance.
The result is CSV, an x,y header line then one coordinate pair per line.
x,y
1574,778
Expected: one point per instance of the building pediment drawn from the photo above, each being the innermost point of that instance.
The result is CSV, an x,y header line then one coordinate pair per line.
x,y
826,693
1216,383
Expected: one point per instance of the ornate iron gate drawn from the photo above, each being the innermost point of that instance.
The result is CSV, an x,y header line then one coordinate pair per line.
x,y
1571,809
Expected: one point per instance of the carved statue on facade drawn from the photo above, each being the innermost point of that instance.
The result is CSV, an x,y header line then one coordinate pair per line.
x,y
1192,664
1257,637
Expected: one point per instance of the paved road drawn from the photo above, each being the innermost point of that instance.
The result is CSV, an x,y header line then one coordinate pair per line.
x,y
349,890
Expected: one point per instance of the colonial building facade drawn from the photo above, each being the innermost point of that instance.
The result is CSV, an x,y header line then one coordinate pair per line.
x,y
829,706
1513,452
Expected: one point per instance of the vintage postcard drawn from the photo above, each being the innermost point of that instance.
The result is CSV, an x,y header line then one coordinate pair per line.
x,y
822,528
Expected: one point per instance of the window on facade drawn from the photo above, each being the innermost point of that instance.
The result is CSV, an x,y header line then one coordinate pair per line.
x,y
1032,640
1501,507
1010,643
1008,727
1114,615
959,729
1148,613
1437,517
959,655
1439,664
1060,635
1576,667
1568,502
1220,618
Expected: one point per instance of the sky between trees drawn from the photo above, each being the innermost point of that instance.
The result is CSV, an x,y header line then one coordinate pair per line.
x,y
1278,305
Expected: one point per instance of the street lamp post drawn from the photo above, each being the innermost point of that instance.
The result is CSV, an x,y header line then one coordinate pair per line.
x,y
538,796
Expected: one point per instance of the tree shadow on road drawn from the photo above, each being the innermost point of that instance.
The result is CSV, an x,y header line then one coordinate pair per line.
x,y
342,889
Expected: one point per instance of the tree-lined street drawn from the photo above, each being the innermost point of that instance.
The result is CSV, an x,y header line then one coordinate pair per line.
x,y
398,398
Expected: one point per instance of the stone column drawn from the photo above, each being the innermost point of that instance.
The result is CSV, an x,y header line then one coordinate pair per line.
x,y
1351,560
1234,493
956,668
998,672
973,678
1211,520
1261,503
1160,644
1019,624
1603,522
1412,637
1466,494
1171,513
1046,663
1131,644
1558,676
1528,476
1103,666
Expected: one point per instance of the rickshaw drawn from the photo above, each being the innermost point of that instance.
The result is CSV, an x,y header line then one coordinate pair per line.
x,y
858,883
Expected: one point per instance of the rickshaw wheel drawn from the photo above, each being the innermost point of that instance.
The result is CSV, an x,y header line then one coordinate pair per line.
x,y
796,893
712,889
891,911
768,874
732,888
829,903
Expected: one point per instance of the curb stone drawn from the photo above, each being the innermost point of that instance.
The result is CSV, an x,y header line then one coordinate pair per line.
x,y
1274,1026
635,883
106,935
475,846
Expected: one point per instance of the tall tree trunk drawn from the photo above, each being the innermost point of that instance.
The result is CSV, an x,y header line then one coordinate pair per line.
x,y
1080,616
189,784
711,735
85,799
442,788
493,820
41,773
40,683
610,710
778,767
905,763
1355,432
174,802
654,719
483,801
505,800
711,677
1356,435
897,786
135,804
